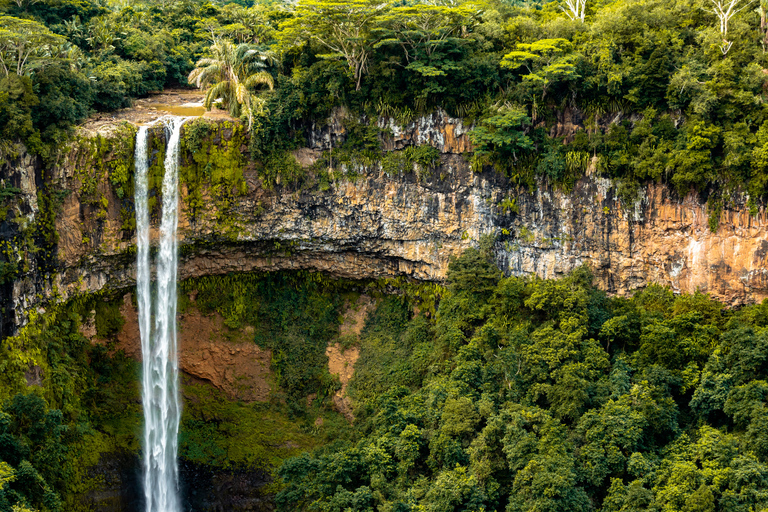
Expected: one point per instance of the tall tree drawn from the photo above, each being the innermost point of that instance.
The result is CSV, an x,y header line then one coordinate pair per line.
x,y
575,9
231,73
725,10
26,44
546,60
341,26
422,28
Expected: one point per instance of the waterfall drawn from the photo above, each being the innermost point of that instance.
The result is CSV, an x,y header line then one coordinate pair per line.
x,y
160,368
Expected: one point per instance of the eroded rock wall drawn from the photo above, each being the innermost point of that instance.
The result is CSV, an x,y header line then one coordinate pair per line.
x,y
380,225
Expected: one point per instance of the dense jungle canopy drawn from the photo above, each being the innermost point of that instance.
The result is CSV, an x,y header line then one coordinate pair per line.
x,y
670,91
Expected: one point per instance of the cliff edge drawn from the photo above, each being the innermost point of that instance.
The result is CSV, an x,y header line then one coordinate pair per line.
x,y
367,221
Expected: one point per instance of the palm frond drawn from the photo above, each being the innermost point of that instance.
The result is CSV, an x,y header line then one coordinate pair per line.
x,y
260,78
217,91
232,71
241,93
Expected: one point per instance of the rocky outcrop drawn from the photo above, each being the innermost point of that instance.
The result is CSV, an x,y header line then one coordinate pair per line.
x,y
658,239
446,133
373,224
18,210
343,354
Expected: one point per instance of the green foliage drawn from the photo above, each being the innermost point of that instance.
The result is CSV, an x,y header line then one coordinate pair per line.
x,y
503,136
341,28
292,316
525,395
65,402
386,347
218,432
282,169
692,164
108,319
16,101
118,80
65,97
25,45
212,165
419,159
35,449
516,394
546,60
230,74
648,86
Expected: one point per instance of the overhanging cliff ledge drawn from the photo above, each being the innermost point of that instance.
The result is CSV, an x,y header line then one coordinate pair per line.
x,y
369,222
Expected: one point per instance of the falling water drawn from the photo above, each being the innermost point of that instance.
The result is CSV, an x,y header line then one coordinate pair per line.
x,y
160,386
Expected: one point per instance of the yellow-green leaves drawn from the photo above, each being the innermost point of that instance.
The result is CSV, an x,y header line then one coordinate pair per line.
x,y
230,74
7,474
423,28
503,135
26,45
546,60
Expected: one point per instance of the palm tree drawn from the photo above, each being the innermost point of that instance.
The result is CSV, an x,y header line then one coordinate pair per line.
x,y
231,73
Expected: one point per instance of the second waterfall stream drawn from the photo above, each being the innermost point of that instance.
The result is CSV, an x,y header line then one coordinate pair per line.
x,y
160,368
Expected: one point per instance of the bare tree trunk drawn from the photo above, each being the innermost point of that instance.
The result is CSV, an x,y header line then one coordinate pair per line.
x,y
763,28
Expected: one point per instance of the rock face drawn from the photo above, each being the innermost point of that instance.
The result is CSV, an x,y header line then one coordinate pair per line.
x,y
659,239
16,215
208,351
373,224
341,360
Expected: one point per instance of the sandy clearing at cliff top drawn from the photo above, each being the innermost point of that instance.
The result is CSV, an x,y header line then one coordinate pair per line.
x,y
181,102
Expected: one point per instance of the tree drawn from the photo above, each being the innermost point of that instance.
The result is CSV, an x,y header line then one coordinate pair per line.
x,y
762,10
725,10
230,74
7,474
546,61
341,26
420,30
541,461
24,4
692,165
575,9
251,25
26,45
502,135
102,34
759,163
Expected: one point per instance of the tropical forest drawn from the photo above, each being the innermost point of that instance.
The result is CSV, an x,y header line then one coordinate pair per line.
x,y
384,256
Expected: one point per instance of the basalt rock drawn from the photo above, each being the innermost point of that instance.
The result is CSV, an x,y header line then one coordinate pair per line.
x,y
371,224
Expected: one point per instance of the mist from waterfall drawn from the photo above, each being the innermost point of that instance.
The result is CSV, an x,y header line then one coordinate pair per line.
x,y
160,369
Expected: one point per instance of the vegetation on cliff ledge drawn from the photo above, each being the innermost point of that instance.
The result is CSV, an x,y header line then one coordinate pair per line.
x,y
516,395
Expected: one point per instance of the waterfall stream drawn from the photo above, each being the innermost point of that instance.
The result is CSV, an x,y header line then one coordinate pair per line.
x,y
160,369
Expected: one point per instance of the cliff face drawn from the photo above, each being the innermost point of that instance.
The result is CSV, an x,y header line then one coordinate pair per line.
x,y
659,239
372,224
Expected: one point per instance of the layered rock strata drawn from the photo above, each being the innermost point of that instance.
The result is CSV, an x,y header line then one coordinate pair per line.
x,y
375,224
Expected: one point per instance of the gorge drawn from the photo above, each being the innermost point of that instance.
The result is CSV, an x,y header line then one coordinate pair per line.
x,y
420,256
372,228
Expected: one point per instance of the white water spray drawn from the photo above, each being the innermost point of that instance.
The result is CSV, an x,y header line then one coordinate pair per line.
x,y
160,377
